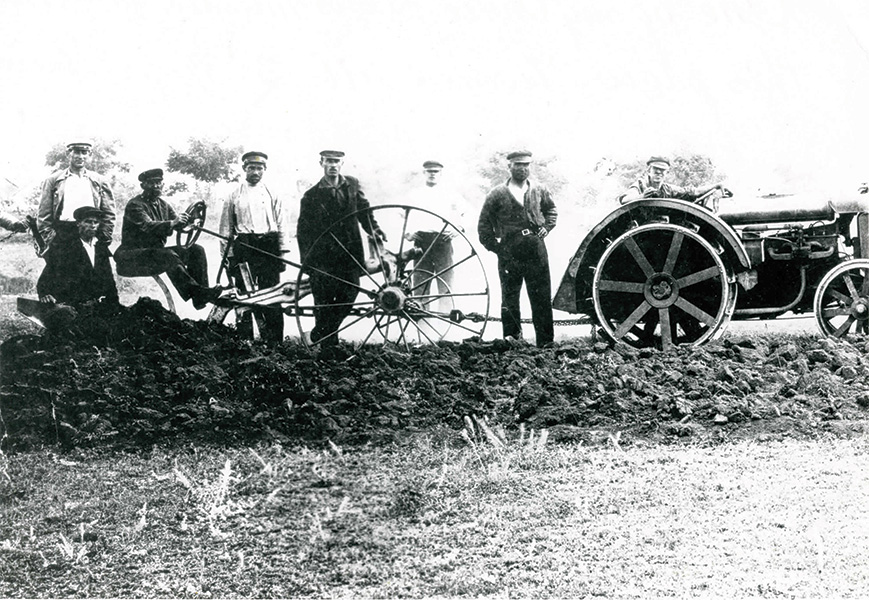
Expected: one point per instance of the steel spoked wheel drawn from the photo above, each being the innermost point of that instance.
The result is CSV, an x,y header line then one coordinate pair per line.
x,y
660,285
419,286
842,300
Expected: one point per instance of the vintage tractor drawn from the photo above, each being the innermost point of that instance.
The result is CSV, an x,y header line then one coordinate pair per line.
x,y
663,272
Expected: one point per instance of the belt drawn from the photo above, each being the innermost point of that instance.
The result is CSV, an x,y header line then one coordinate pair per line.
x,y
525,232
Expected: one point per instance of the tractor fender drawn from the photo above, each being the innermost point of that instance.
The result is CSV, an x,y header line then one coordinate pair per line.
x,y
574,292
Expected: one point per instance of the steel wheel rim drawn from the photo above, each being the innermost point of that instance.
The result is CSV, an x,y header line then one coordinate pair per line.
x,y
662,285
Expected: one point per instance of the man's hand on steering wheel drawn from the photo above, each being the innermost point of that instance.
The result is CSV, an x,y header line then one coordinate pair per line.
x,y
181,221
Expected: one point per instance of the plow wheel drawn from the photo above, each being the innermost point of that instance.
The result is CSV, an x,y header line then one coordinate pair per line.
x,y
413,288
842,299
660,285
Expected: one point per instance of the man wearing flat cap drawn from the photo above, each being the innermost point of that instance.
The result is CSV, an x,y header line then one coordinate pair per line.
x,y
254,218
428,234
68,189
336,258
148,221
77,269
652,185
516,217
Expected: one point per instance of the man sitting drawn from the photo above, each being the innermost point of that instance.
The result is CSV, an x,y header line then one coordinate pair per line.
x,y
77,270
652,185
148,221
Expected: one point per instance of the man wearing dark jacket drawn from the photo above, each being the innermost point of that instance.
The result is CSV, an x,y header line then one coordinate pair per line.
x,y
337,259
77,270
148,222
515,218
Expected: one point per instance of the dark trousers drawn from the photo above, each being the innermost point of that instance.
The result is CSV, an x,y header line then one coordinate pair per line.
x,y
330,291
187,268
523,259
265,272
437,256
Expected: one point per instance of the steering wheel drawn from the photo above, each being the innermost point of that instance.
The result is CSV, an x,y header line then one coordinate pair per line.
x,y
188,234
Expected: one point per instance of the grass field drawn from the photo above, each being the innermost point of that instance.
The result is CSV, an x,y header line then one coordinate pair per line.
x,y
439,518
434,516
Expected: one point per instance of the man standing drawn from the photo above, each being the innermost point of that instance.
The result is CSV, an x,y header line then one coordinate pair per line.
x,y
652,185
148,221
436,247
77,269
253,216
515,218
69,189
337,258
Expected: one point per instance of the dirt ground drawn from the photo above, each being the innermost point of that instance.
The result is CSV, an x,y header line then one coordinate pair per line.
x,y
140,375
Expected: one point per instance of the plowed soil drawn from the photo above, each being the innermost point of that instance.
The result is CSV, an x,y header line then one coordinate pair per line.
x,y
139,375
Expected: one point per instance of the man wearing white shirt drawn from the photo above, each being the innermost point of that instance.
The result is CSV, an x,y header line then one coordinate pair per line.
x,y
77,269
254,218
429,235
67,190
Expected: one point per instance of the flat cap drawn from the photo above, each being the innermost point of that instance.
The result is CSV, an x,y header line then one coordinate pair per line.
x,y
658,159
432,164
151,174
331,154
254,156
83,212
81,143
519,155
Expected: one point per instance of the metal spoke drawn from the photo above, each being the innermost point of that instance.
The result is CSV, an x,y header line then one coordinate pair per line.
x,y
666,331
367,337
403,233
843,328
850,285
633,319
697,277
309,269
839,296
350,324
356,261
418,328
363,303
637,253
632,287
378,248
427,250
673,253
840,311
694,311
439,273
435,296
864,289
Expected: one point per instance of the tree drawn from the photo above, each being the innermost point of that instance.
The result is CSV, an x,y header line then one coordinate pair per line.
x,y
103,157
205,161
494,172
685,170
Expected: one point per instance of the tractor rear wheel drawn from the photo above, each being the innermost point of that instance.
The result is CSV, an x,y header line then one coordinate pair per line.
x,y
662,285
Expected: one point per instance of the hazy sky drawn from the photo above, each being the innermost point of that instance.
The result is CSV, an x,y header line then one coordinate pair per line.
x,y
776,92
